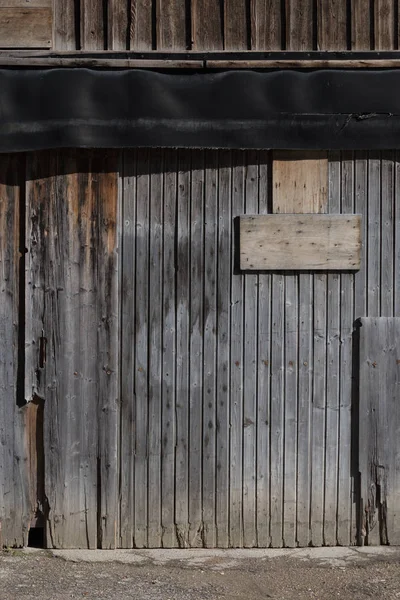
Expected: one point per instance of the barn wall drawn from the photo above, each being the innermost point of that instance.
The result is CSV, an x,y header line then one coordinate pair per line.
x,y
200,24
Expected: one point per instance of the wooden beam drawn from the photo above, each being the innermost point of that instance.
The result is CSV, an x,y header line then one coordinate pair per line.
x,y
300,242
26,27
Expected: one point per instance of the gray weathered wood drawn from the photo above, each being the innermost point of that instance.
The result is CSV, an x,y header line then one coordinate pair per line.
x,y
374,236
141,34
360,26
303,242
235,25
171,24
26,27
92,25
265,25
387,235
332,24
64,25
384,25
299,24
207,31
118,24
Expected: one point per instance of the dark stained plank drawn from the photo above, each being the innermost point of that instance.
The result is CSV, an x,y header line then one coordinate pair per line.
x,y
92,25
235,25
360,25
141,28
26,27
207,25
332,24
182,348
15,503
128,352
196,348
384,24
118,24
211,363
299,25
169,354
266,25
171,24
64,25
223,281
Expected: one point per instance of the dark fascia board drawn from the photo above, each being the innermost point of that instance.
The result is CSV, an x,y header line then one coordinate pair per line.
x,y
283,109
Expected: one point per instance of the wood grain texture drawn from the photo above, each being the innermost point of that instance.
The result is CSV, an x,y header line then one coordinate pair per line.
x,y
299,25
332,24
141,29
171,24
26,3
118,25
64,26
360,26
300,181
207,25
289,242
235,25
266,24
26,27
384,25
92,25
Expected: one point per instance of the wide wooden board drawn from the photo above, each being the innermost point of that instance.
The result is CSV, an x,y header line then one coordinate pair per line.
x,y
25,27
306,242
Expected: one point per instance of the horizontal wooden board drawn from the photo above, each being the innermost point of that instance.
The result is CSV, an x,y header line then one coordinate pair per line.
x,y
26,3
300,242
25,27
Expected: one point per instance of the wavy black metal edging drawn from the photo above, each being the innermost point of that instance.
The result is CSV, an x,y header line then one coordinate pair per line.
x,y
337,109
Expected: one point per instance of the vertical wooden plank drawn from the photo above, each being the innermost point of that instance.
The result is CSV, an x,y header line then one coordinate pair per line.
x,y
299,25
64,25
360,25
196,348
235,25
142,347
118,24
92,25
387,235
265,25
361,207
155,356
263,376
128,350
207,31
332,371
15,509
141,27
171,24
397,235
344,506
182,349
237,368
277,409
168,429
318,409
250,369
211,357
384,25
224,274
332,24
374,235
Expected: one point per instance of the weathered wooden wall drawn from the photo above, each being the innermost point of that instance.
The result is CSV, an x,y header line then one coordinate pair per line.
x,y
200,24
228,418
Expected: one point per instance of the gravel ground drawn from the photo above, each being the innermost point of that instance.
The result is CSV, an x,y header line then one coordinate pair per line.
x,y
196,575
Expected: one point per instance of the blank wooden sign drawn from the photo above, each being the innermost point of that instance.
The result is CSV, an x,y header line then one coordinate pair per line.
x,y
300,242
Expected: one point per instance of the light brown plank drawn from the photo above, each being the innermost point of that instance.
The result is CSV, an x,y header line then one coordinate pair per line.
x,y
25,27
64,25
299,25
207,32
25,3
360,25
300,182
118,24
384,24
141,33
265,25
332,33
92,25
171,25
287,242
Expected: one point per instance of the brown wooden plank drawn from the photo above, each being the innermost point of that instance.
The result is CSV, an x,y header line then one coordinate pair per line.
x,y
285,242
299,25
303,64
64,25
266,25
171,24
300,181
141,29
384,25
92,25
207,27
332,24
26,27
26,3
360,25
235,25
118,24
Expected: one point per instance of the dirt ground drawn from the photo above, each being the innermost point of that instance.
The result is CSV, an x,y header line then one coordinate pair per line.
x,y
322,574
